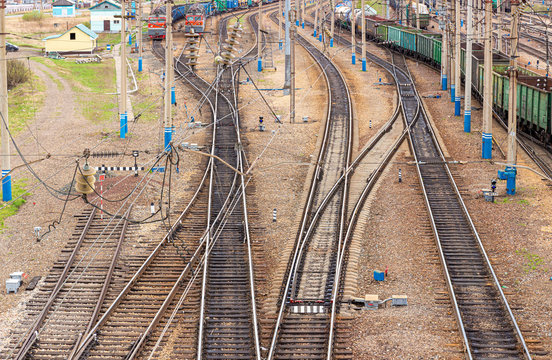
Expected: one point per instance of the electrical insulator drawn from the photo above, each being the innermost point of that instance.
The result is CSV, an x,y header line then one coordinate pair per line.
x,y
86,180
227,54
192,40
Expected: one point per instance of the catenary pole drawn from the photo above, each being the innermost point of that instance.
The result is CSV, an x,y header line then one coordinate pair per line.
x,y
6,166
169,72
287,8
487,133
292,77
332,24
444,46
457,83
280,45
363,26
511,172
353,33
123,105
259,37
417,14
139,35
499,26
468,69
451,38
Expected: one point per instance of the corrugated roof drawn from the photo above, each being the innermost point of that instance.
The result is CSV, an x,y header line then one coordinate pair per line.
x,y
81,27
62,3
114,3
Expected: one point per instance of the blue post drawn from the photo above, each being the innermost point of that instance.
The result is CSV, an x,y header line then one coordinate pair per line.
x,y
467,121
173,96
314,33
331,42
6,186
444,84
457,106
168,138
123,125
280,44
303,24
487,148
108,47
354,59
297,22
260,64
452,91
319,37
129,39
140,64
363,64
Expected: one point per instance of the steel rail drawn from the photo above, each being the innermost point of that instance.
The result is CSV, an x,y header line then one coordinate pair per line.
x,y
105,285
32,333
302,236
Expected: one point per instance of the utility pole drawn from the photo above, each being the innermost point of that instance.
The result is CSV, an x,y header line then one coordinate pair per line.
x,y
387,9
353,29
452,58
140,47
288,48
468,69
332,23
417,14
487,133
509,174
499,30
280,25
363,26
6,167
315,19
169,72
457,83
292,77
123,106
296,14
303,13
259,36
444,45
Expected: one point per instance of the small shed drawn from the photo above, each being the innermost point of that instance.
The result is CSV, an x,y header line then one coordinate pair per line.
x,y
78,39
103,17
63,8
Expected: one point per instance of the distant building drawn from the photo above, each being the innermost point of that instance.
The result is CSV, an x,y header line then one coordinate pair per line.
x,y
102,17
78,39
63,8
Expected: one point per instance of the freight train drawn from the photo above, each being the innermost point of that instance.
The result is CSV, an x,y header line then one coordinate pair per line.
x,y
534,108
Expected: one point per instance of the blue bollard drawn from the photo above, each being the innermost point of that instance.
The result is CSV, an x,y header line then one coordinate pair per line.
x,y
260,65
467,121
108,47
129,39
320,37
353,58
487,148
331,42
314,33
452,91
303,24
280,44
457,106
168,138
297,22
363,64
140,64
173,96
444,84
6,186
123,125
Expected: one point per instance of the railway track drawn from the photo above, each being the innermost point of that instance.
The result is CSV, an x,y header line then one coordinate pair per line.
x,y
487,324
74,291
303,322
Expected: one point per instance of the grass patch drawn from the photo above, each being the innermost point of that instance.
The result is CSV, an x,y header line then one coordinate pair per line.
x,y
523,202
105,38
34,15
24,101
18,189
532,261
91,82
